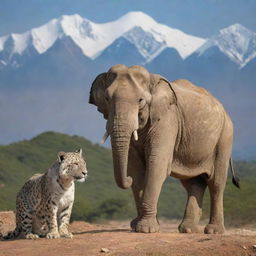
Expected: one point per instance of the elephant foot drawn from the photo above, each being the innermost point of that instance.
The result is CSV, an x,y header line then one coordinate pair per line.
x,y
187,227
134,222
214,229
149,225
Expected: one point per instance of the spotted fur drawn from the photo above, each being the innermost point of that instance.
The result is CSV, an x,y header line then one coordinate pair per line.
x,y
44,203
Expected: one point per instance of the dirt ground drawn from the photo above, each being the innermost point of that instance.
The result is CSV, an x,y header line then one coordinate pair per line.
x,y
115,238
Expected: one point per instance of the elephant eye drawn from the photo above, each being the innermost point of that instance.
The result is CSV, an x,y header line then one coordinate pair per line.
x,y
107,98
142,102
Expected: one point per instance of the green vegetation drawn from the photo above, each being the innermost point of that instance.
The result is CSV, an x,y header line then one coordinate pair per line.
x,y
99,197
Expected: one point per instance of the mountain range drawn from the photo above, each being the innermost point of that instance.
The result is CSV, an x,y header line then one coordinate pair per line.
x,y
46,72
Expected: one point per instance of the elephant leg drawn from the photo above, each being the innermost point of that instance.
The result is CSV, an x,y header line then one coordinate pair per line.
x,y
217,183
195,188
137,194
156,173
158,154
148,222
216,189
136,168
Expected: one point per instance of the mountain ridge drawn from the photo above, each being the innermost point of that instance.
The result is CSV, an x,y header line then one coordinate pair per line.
x,y
93,38
235,41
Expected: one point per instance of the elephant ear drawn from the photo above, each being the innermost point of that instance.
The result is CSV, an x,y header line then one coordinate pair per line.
x,y
97,94
163,96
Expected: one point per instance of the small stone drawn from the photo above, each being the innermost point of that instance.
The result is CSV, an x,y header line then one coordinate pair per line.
x,y
254,246
244,247
106,250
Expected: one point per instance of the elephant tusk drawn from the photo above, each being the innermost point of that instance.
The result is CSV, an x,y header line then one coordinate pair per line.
x,y
104,138
135,135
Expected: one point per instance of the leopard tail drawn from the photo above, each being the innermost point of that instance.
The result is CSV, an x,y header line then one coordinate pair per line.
x,y
13,234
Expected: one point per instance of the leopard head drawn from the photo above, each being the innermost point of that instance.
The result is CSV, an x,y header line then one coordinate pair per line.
x,y
72,166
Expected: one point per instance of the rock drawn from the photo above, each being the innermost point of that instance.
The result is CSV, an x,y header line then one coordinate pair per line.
x,y
7,222
254,246
104,250
244,247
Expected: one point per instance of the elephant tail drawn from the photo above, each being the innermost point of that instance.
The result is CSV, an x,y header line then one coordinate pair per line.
x,y
235,179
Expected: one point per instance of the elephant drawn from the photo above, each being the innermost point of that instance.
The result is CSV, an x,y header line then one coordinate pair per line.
x,y
159,129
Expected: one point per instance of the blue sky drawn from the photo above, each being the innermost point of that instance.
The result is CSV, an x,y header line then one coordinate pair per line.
x,y
197,17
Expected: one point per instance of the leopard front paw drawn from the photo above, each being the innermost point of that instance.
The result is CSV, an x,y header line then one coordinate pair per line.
x,y
53,235
66,234
31,236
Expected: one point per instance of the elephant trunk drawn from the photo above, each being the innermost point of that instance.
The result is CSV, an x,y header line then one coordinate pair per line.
x,y
120,150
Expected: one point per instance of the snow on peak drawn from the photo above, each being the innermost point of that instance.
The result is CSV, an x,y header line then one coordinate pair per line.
x,y
76,27
93,38
148,36
43,37
237,30
136,18
235,41
147,43
72,18
137,26
67,25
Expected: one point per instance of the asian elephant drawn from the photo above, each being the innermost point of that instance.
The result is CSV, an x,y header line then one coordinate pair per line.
x,y
160,128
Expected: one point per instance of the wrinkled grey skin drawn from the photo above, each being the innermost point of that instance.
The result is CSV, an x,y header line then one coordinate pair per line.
x,y
183,131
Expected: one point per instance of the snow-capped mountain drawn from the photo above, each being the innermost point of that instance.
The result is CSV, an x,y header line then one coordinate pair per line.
x,y
148,37
146,34
236,42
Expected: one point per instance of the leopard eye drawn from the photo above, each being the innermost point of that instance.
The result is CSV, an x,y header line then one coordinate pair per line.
x,y
76,164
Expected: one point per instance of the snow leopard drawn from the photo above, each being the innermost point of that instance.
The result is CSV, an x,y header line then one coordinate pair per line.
x,y
44,203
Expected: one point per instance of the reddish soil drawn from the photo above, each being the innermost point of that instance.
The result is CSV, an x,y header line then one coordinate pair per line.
x,y
115,238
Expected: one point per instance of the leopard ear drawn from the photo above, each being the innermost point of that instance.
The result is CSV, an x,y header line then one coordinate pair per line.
x,y
80,151
61,156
